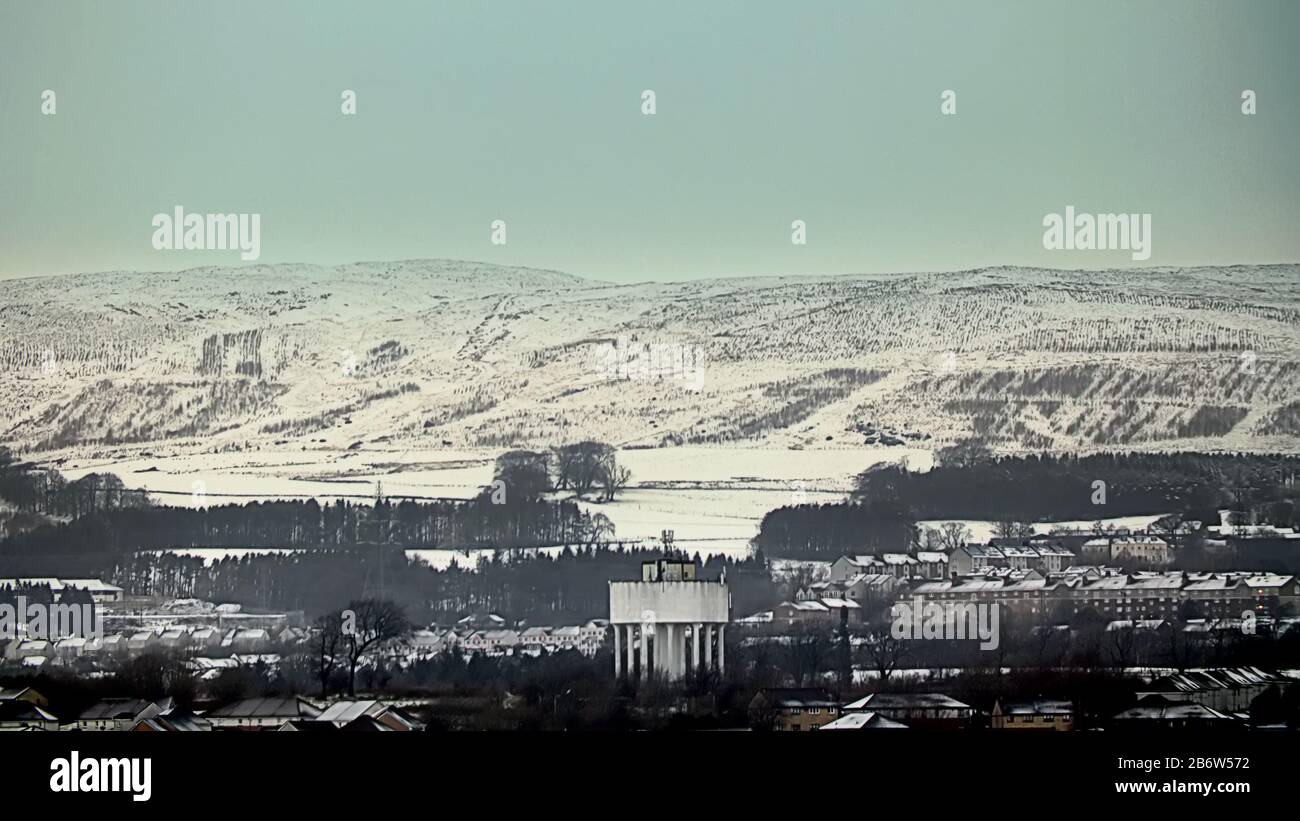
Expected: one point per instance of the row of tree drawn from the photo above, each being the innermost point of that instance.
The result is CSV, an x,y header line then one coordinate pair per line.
x,y
581,468
570,587
28,488
474,523
968,483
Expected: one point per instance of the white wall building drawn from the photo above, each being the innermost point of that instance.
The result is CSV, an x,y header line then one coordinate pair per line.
x,y
671,617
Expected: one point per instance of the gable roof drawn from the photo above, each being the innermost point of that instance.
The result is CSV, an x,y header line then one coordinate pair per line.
x,y
14,710
295,707
906,701
115,709
863,721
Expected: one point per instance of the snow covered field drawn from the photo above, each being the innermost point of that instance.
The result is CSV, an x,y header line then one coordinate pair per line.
x,y
711,498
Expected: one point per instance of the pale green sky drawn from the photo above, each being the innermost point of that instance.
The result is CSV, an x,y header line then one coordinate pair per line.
x,y
767,112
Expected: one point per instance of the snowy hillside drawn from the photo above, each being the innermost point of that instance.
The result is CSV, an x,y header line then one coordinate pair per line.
x,y
434,353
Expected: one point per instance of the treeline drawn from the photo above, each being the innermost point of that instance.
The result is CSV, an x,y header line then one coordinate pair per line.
x,y
29,489
828,531
568,588
968,483
470,523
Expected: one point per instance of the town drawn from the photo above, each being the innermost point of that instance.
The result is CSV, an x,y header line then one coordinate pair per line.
x,y
1089,631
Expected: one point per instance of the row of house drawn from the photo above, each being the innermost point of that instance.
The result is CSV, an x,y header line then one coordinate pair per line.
x,y
1202,699
100,592
1143,547
489,634
38,652
1044,557
26,709
1031,590
920,565
817,709
1142,595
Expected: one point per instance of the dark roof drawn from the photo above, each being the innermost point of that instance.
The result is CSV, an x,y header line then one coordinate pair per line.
x,y
115,708
309,725
796,696
265,708
15,710
366,724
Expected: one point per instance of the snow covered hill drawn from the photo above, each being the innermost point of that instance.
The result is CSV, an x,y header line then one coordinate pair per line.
x,y
438,353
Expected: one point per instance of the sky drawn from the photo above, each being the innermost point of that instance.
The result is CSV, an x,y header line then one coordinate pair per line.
x,y
766,112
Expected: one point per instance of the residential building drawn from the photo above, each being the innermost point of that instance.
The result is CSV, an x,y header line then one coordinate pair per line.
x,y
1155,711
261,713
819,611
863,721
17,714
916,709
795,709
1032,715
117,714
1229,689
342,713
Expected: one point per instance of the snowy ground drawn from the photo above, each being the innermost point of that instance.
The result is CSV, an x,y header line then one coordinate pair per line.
x,y
713,499
982,531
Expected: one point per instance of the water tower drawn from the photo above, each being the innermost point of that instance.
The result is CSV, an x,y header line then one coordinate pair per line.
x,y
672,619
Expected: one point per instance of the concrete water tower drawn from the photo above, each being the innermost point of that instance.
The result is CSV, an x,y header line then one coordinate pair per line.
x,y
673,620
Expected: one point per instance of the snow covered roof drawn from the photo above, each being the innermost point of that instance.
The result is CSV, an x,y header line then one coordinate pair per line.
x,y
342,712
266,708
1036,708
898,559
1217,583
906,701
863,721
1159,708
1269,580
836,603
810,606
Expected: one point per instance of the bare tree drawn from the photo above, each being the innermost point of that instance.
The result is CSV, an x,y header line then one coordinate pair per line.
x,y
1100,528
329,637
883,650
953,535
1008,529
1122,643
600,530
805,654
929,538
367,625
613,476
